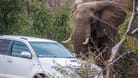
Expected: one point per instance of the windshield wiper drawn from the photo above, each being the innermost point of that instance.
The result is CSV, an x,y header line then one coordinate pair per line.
x,y
70,57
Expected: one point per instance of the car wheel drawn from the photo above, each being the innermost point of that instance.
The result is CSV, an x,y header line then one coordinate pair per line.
x,y
38,76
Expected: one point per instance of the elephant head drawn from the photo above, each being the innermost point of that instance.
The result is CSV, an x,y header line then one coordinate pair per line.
x,y
85,17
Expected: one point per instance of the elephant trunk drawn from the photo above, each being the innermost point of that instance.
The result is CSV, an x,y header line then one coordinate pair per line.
x,y
80,34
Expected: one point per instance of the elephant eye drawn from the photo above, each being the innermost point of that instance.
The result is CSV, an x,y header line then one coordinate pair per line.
x,y
91,19
91,9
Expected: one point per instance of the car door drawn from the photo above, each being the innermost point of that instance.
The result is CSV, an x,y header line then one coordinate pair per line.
x,y
4,49
17,66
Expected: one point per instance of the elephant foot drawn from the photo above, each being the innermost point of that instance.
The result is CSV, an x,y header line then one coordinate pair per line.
x,y
66,41
86,41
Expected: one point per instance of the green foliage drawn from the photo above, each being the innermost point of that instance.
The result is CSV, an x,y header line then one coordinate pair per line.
x,y
41,21
60,25
53,25
133,43
125,66
123,27
11,12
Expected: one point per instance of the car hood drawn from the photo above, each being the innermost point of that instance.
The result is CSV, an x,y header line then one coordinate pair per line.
x,y
59,67
60,61
55,66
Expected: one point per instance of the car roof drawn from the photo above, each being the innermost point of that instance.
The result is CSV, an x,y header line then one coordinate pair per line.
x,y
28,38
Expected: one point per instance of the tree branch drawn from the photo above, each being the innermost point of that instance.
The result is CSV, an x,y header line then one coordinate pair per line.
x,y
134,31
117,47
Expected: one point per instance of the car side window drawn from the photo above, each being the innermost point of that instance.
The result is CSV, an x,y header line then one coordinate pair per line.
x,y
4,46
18,48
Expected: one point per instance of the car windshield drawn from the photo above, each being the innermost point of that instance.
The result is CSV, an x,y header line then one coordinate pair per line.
x,y
50,49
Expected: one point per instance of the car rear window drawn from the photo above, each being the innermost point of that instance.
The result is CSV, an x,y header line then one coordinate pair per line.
x,y
4,46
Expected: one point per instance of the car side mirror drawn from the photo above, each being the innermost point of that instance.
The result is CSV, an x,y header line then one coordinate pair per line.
x,y
74,55
26,54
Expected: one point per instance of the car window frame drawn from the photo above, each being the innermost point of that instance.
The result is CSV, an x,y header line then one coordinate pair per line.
x,y
9,48
24,44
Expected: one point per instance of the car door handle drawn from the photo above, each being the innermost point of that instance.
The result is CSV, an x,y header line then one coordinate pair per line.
x,y
10,61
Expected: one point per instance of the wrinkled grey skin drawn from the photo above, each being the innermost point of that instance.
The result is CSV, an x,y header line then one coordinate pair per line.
x,y
100,34
84,20
106,33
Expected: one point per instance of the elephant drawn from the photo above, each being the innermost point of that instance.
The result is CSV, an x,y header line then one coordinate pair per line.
x,y
95,23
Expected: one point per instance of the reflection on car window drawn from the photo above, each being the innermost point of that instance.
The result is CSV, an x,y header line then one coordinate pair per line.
x,y
49,49
4,46
18,47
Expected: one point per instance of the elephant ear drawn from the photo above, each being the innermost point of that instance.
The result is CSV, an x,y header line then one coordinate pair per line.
x,y
100,5
113,16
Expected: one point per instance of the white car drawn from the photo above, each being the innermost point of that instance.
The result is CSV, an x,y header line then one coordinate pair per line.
x,y
29,57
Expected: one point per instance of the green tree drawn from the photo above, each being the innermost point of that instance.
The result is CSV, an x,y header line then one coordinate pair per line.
x,y
11,12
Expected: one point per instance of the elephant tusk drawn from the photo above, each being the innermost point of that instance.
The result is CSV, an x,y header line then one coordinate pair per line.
x,y
86,41
66,41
